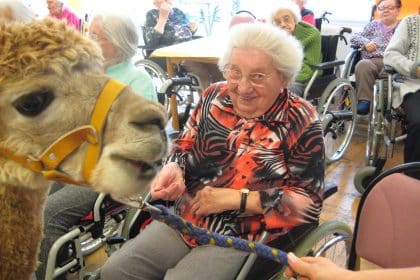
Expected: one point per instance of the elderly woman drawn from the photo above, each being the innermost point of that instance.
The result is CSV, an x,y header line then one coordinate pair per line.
x,y
117,37
15,10
251,158
403,54
59,11
373,40
287,16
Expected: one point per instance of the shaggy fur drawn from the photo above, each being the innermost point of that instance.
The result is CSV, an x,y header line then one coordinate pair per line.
x,y
47,57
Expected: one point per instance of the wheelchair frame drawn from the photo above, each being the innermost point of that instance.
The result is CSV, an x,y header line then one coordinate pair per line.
x,y
382,128
326,240
335,97
331,239
91,234
183,87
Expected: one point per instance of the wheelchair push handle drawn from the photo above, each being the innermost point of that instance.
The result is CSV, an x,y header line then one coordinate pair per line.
x,y
343,31
176,81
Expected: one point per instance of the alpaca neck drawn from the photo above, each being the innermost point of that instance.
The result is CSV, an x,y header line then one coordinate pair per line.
x,y
20,209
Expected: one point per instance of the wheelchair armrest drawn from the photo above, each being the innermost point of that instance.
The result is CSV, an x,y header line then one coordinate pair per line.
x,y
389,69
357,48
329,189
328,65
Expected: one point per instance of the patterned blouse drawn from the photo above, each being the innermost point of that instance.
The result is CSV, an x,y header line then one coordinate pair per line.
x,y
280,154
374,31
176,29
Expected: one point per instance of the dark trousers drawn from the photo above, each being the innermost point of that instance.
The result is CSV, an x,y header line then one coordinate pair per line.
x,y
411,105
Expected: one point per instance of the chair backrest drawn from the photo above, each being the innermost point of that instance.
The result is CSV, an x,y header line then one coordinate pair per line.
x,y
242,16
387,229
329,45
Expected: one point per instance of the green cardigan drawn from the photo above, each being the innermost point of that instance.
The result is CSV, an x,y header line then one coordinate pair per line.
x,y
310,38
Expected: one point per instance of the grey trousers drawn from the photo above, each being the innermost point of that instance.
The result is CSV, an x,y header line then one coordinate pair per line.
x,y
367,71
160,253
64,208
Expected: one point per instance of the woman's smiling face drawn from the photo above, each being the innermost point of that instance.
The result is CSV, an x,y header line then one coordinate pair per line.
x,y
253,81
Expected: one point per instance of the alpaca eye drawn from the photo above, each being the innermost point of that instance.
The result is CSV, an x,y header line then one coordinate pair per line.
x,y
34,103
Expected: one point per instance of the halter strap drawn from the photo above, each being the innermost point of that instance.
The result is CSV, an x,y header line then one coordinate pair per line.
x,y
58,151
105,100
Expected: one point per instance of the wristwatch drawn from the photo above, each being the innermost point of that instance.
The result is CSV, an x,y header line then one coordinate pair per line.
x,y
244,196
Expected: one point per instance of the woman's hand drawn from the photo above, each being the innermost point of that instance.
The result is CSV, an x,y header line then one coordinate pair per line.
x,y
164,11
314,268
168,183
370,47
210,200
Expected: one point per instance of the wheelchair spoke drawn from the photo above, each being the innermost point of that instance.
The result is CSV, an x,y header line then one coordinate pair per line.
x,y
337,110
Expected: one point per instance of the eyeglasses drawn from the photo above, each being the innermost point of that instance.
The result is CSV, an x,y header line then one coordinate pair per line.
x,y
284,20
256,79
390,8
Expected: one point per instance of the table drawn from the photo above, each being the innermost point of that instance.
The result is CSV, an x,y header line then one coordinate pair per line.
x,y
207,50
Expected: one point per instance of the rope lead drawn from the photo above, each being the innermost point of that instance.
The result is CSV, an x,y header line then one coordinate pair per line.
x,y
204,237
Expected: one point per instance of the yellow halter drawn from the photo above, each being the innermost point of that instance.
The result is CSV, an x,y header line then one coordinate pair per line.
x,y
55,154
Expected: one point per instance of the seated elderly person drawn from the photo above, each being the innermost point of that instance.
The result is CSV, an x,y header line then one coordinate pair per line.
x,y
286,15
373,40
251,158
403,54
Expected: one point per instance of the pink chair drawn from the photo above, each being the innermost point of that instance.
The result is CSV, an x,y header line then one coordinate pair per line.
x,y
242,17
387,228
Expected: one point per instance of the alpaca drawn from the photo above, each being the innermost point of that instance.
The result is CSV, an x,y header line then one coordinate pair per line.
x,y
50,80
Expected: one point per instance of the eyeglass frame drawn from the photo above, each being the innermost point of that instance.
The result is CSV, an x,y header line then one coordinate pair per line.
x,y
286,20
390,8
248,78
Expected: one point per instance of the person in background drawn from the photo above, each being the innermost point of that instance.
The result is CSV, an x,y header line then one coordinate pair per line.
x,y
167,25
321,268
307,15
250,159
15,10
286,16
117,37
403,54
373,40
59,11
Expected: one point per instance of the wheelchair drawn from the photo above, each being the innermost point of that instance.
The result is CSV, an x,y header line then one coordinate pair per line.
x,y
185,92
387,225
69,253
333,94
385,129
331,239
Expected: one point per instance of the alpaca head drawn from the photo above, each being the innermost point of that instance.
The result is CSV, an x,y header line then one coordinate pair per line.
x,y
50,80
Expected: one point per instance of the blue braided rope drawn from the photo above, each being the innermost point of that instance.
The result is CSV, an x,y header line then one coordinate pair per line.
x,y
204,237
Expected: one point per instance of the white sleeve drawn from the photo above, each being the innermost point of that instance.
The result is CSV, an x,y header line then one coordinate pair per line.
x,y
396,53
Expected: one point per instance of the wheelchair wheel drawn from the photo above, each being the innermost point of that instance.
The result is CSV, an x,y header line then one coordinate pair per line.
x,y
363,177
332,240
158,76
337,109
375,146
